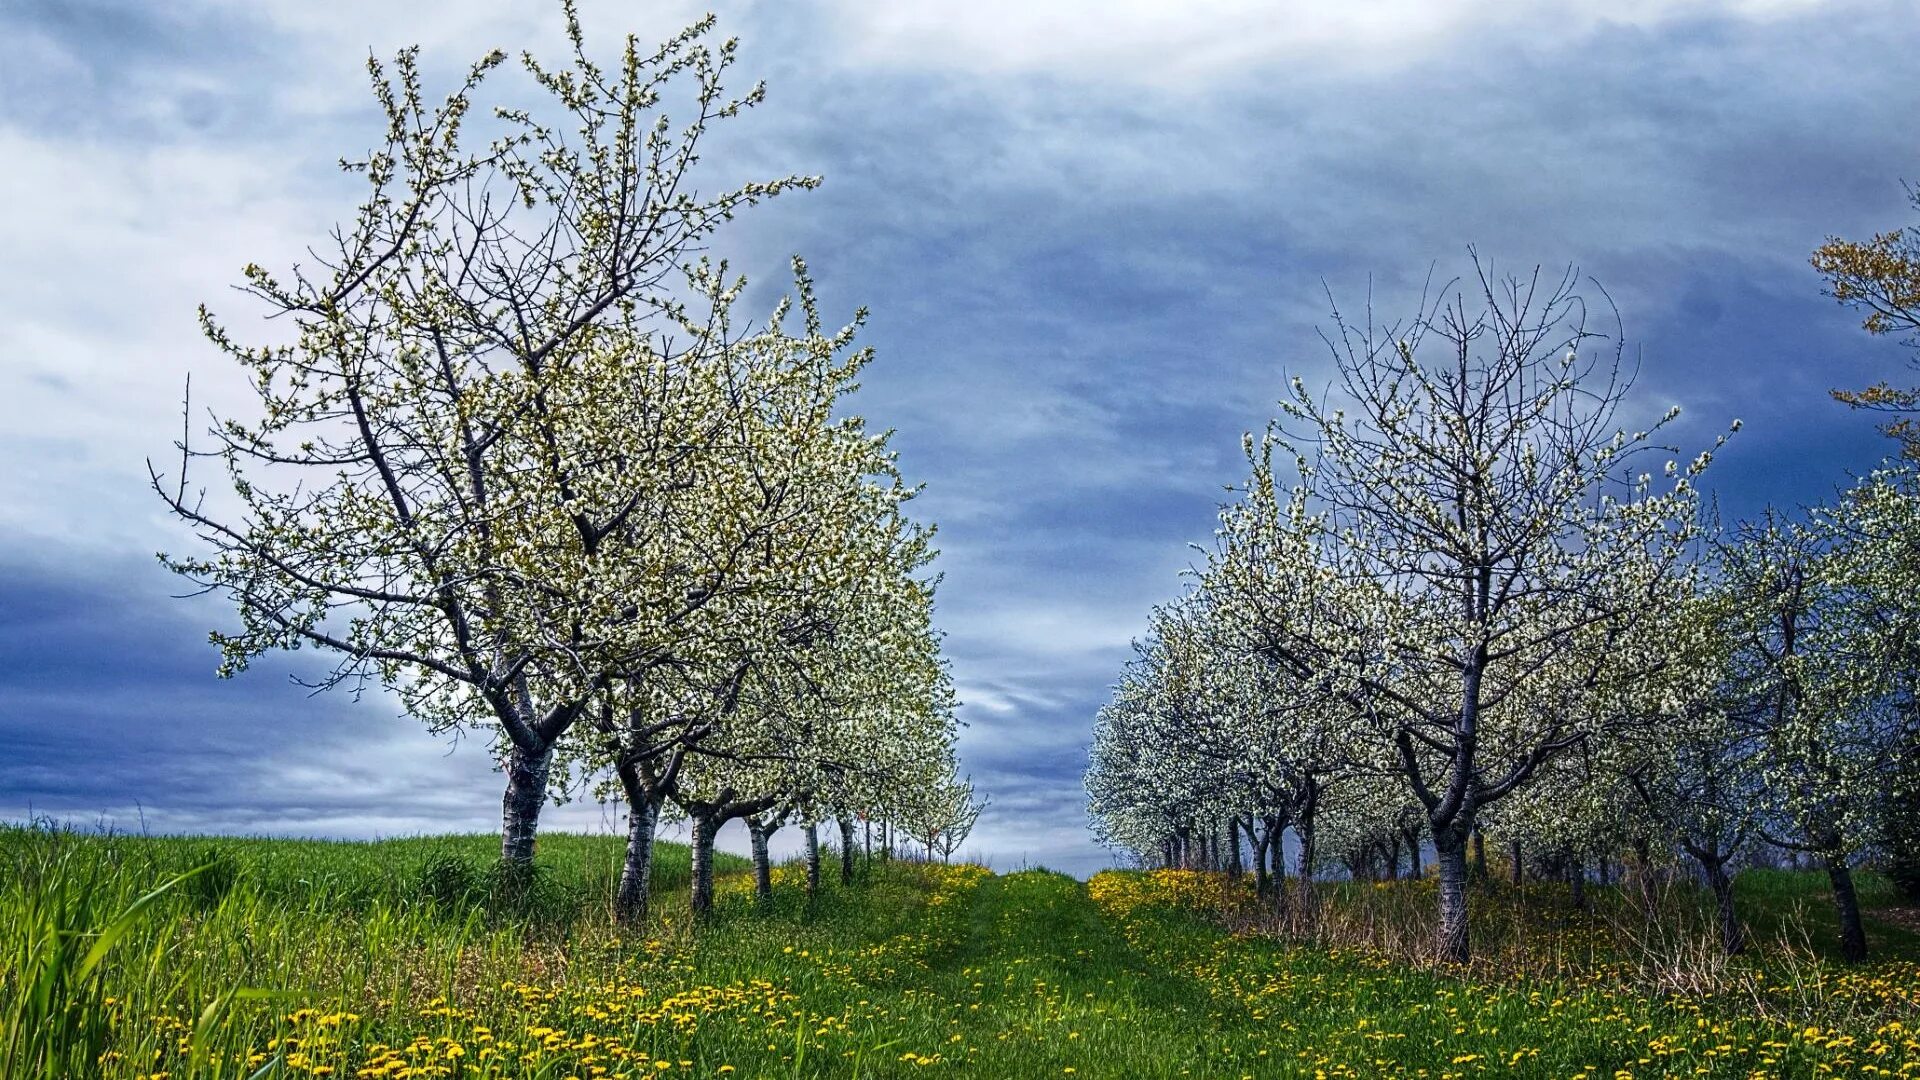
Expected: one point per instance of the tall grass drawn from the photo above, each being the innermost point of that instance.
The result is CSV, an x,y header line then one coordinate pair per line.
x,y
118,951
54,1022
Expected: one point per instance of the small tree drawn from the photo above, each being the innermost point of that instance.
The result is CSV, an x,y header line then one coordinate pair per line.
x,y
1812,695
945,817
1693,780
1878,524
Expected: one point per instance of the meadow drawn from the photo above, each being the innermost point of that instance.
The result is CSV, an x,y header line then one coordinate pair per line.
x,y
169,958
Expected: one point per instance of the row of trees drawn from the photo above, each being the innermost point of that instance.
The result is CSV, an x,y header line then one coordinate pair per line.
x,y
519,460
1481,601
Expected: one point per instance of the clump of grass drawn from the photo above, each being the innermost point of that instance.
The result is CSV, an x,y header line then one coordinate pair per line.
x,y
217,872
449,882
62,923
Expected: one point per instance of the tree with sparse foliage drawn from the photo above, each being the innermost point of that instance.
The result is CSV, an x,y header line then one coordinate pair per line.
x,y
945,817
1881,276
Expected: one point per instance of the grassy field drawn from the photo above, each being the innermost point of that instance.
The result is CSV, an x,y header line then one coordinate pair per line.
x,y
405,959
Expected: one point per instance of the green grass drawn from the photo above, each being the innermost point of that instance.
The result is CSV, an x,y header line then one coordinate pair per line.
x,y
261,958
1798,905
338,875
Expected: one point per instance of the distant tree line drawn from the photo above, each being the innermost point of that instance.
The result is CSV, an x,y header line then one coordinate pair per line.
x,y
1461,594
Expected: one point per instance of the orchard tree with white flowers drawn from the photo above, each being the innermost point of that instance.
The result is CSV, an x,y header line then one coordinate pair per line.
x,y
1821,627
1468,551
492,469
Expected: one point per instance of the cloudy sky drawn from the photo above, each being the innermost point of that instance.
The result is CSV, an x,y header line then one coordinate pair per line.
x,y
1093,237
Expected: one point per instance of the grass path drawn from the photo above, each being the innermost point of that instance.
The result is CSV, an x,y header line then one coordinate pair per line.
x,y
1060,990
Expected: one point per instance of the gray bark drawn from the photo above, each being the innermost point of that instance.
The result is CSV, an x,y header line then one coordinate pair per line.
x,y
1261,882
813,856
705,826
1277,856
1450,851
636,870
846,851
1304,828
520,807
1846,903
1733,936
646,790
762,865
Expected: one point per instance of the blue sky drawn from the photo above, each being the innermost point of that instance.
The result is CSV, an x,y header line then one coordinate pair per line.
x,y
1093,237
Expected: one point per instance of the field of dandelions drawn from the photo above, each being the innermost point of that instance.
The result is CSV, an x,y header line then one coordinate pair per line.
x,y
158,958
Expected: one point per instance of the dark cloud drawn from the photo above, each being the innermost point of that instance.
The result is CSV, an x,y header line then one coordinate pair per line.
x,y
108,703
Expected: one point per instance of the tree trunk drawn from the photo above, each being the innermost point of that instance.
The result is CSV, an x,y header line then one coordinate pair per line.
x,y
846,851
636,871
1577,878
1479,854
1643,873
1277,855
1450,851
813,856
762,865
1413,852
520,807
705,826
1853,936
1519,865
1304,828
1233,849
1261,882
1733,936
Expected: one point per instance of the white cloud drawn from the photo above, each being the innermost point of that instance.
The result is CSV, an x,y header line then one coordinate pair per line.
x,y
1201,42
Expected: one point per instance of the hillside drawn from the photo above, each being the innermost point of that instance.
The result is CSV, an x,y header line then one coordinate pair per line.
x,y
400,959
